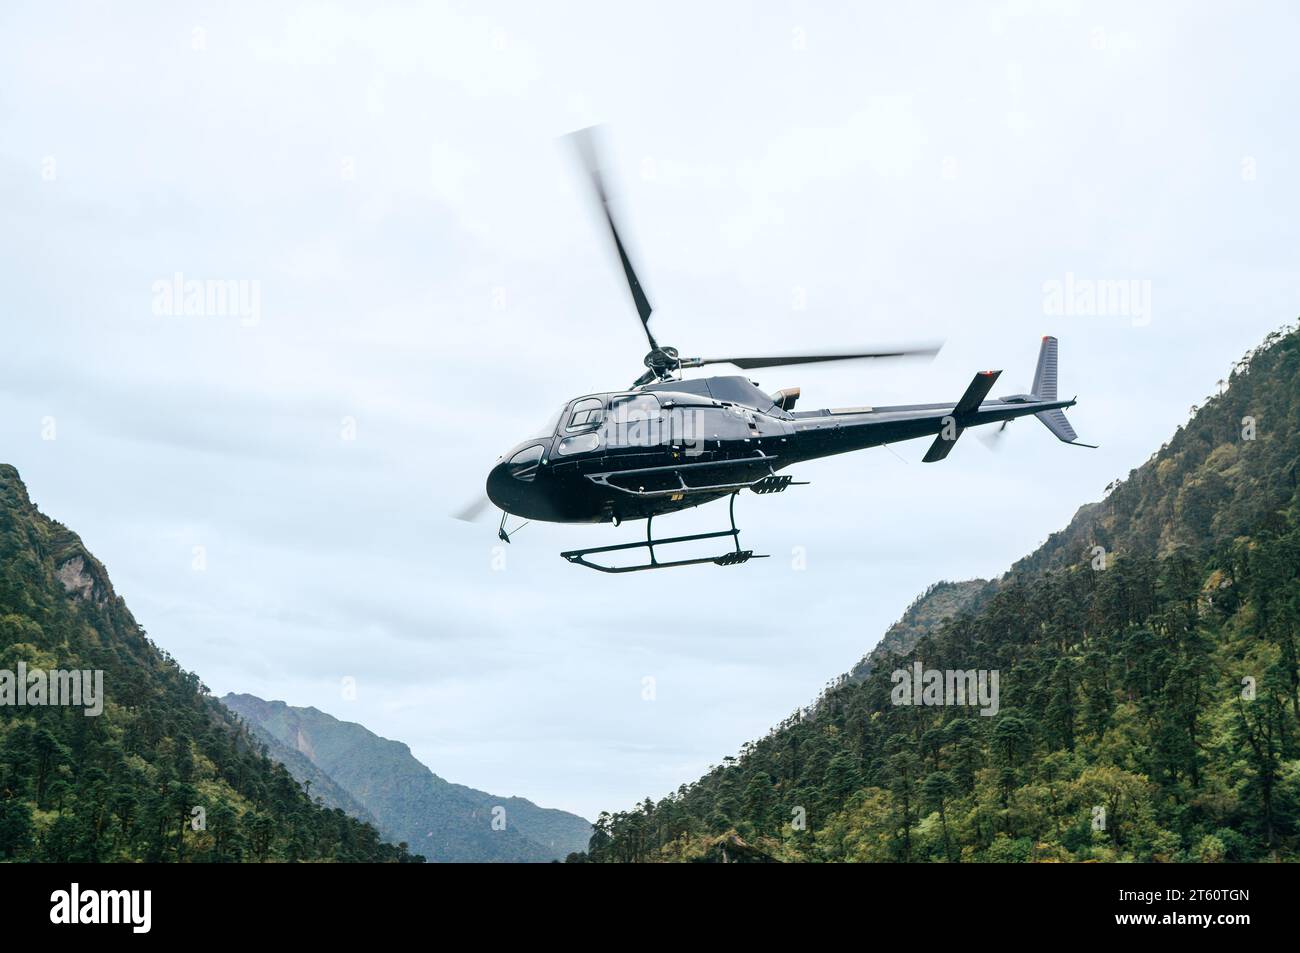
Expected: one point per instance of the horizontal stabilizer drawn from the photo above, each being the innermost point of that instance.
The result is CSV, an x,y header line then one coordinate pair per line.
x,y
979,389
970,402
941,447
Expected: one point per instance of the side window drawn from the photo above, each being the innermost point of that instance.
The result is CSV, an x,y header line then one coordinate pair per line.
x,y
586,413
578,443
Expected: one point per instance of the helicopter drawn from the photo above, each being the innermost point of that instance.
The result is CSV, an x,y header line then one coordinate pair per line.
x,y
667,443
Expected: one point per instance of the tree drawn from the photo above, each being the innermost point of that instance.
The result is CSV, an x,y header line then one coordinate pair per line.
x,y
937,789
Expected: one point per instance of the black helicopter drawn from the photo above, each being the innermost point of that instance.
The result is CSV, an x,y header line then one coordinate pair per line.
x,y
666,443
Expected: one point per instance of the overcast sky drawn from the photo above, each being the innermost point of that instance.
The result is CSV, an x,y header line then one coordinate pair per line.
x,y
794,175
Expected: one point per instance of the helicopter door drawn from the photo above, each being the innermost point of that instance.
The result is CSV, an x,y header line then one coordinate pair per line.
x,y
689,427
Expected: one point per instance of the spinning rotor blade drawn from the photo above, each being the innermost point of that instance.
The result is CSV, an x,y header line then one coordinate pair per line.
x,y
750,363
470,512
993,438
585,144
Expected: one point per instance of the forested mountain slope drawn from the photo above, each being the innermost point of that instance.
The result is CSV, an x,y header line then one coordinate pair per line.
x,y
1201,491
1149,690
165,772
1223,475
443,821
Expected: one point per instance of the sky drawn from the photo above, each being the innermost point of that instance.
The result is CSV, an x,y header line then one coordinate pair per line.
x,y
421,283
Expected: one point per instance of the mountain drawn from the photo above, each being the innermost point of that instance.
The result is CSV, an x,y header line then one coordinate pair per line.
x,y
1230,471
443,821
315,782
151,768
1148,693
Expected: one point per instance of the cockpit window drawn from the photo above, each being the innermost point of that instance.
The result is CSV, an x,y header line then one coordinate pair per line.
x,y
588,412
523,465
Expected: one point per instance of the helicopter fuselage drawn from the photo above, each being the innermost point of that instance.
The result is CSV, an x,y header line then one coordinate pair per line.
x,y
677,444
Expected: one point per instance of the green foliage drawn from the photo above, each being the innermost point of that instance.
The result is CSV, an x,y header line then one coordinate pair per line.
x,y
1127,729
123,785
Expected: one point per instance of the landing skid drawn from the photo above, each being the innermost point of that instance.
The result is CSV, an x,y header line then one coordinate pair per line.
x,y
732,557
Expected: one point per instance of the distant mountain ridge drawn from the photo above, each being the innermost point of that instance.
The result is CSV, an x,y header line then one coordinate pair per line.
x,y
444,822
317,784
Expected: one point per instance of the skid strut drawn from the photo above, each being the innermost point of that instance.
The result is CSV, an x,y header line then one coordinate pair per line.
x,y
730,558
502,533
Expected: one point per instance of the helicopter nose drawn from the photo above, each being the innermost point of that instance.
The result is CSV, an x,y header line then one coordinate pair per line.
x,y
499,489
511,483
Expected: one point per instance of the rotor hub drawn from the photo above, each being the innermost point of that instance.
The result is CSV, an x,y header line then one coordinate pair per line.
x,y
662,360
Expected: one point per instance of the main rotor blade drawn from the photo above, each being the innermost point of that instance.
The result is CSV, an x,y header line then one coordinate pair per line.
x,y
589,153
470,512
750,363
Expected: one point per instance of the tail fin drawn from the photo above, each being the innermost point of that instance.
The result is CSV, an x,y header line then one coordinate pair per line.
x,y
1045,389
1045,376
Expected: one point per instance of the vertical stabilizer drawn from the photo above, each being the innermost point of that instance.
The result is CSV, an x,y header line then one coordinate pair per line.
x,y
1045,376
